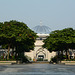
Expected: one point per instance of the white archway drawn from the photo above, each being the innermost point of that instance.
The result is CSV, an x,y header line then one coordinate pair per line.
x,y
41,53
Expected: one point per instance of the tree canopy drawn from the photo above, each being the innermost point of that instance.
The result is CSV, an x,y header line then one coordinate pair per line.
x,y
17,34
60,40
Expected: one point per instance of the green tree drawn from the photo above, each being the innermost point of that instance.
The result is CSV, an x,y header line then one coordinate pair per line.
x,y
61,40
16,34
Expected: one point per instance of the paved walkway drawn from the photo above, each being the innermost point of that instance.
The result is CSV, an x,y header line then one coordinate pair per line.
x,y
37,69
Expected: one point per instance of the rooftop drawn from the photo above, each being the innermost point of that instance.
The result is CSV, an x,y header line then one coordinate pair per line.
x,y
41,29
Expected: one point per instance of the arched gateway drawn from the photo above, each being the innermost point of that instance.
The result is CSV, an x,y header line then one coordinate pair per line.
x,y
39,51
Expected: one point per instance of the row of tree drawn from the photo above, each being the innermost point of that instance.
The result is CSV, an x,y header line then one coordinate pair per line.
x,y
61,40
14,34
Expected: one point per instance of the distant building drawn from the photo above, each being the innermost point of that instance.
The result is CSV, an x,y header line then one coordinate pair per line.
x,y
39,52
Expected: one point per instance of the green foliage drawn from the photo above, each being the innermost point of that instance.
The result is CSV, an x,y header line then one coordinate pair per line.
x,y
60,40
45,60
1,57
14,31
13,57
29,58
40,59
16,34
64,56
24,59
54,59
58,58
70,60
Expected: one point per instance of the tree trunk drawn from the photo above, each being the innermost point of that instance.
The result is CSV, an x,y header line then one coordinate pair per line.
x,y
74,55
12,50
58,57
68,55
62,54
8,51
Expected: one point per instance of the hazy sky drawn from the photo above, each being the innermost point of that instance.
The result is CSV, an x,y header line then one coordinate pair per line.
x,y
57,14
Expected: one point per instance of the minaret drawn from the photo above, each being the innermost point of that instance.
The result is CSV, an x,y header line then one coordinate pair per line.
x,y
40,22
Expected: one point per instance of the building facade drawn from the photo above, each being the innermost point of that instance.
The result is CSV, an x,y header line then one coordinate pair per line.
x,y
39,52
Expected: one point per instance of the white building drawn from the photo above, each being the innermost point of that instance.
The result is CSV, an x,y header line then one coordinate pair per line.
x,y
39,51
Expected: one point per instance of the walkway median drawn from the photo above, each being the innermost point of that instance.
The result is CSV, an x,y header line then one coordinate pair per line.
x,y
68,62
7,62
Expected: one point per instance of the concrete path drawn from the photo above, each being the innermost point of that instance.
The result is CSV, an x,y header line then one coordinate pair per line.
x,y
37,69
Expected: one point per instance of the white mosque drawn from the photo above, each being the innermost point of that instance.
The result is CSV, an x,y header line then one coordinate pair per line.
x,y
39,51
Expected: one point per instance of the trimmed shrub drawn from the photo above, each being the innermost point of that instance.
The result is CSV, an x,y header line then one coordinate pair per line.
x,y
40,59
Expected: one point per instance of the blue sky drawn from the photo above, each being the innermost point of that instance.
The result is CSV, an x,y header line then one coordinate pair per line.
x,y
57,14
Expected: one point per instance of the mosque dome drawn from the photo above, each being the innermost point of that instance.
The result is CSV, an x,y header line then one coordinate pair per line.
x,y
41,29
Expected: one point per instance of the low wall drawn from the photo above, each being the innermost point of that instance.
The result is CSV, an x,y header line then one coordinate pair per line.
x,y
7,62
68,62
